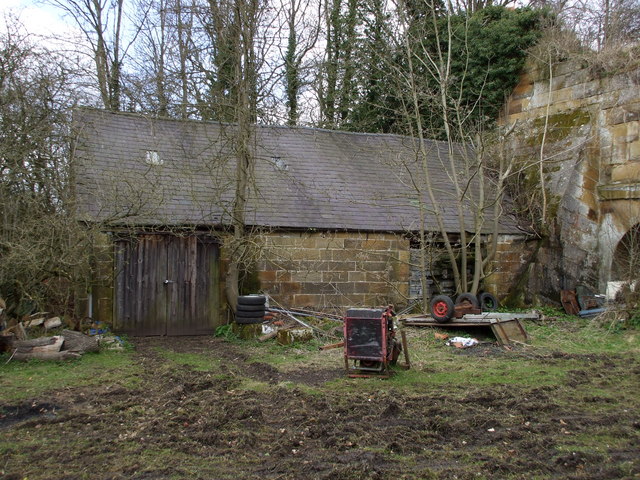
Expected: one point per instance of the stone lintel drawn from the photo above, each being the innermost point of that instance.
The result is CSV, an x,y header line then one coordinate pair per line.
x,y
619,191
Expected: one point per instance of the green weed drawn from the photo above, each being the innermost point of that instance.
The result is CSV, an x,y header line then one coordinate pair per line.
x,y
24,380
226,332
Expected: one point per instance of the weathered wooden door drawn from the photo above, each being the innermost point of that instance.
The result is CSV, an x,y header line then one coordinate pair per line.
x,y
166,285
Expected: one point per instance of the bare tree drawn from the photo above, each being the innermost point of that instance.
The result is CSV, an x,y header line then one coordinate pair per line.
x,y
302,37
44,252
101,22
475,193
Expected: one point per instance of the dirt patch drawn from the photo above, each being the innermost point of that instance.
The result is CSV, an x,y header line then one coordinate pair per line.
x,y
183,423
12,414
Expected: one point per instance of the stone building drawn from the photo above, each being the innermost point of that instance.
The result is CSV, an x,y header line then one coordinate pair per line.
x,y
586,121
332,216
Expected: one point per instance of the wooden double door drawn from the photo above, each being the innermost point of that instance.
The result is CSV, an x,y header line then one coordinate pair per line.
x,y
166,285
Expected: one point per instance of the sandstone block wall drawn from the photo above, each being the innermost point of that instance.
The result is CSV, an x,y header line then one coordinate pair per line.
x,y
512,258
335,270
588,123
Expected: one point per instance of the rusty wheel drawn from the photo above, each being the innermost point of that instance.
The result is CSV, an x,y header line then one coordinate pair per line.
x,y
441,308
467,298
488,302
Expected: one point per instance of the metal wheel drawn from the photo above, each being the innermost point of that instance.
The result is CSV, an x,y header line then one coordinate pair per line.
x,y
442,308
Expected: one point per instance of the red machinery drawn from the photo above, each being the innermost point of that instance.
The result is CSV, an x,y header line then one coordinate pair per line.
x,y
370,342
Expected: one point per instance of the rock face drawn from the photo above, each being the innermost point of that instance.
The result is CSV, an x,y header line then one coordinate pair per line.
x,y
586,123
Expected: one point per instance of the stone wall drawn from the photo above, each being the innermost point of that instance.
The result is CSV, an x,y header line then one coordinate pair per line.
x,y
513,254
335,270
96,303
587,122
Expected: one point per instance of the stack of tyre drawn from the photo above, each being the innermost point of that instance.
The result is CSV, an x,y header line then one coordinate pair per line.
x,y
443,307
251,309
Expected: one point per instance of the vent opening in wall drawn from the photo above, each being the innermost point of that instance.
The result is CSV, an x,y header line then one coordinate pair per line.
x,y
279,163
153,158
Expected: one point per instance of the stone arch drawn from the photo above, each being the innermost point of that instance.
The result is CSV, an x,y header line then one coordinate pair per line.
x,y
619,218
625,263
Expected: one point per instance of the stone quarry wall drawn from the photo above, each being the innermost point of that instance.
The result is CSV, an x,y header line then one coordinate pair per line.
x,y
588,123
335,270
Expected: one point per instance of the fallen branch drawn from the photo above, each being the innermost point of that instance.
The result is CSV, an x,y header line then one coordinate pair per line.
x,y
331,345
306,313
268,336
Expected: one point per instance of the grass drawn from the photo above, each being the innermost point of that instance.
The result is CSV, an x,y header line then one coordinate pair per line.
x,y
20,381
435,363
570,373
582,336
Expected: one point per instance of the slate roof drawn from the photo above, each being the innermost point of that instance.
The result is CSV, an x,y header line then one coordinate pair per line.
x,y
304,178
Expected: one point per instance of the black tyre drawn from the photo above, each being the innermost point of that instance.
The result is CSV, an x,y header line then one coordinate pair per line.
x,y
488,302
250,308
256,314
468,297
252,300
442,308
249,320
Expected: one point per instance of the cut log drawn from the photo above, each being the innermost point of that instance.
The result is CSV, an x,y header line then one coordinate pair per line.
x,y
79,342
268,336
7,342
18,330
36,322
51,323
54,356
40,345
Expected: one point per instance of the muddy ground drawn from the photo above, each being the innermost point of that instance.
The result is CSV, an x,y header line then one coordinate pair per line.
x,y
182,423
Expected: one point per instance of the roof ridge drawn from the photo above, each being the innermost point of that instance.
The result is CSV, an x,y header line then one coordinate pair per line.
x,y
147,116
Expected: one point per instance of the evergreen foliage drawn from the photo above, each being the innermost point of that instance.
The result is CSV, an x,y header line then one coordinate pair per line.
x,y
487,52
492,46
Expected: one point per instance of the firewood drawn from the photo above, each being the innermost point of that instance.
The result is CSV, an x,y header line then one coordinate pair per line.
x,y
268,336
52,323
79,342
18,330
7,341
36,322
43,344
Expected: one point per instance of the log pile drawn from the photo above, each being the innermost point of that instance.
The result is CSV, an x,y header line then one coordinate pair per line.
x,y
66,346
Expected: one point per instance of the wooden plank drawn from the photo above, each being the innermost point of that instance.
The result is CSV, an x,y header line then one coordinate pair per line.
x,y
140,297
187,304
470,320
193,305
453,323
509,331
504,316
152,296
120,281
